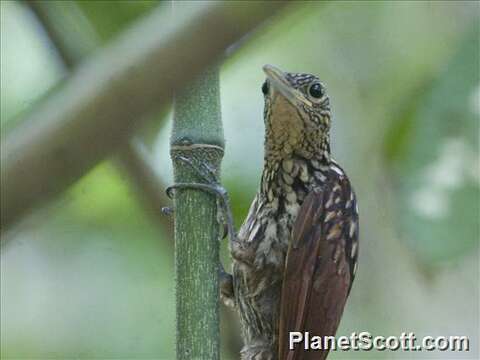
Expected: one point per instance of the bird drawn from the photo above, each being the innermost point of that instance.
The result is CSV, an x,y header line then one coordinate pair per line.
x,y
294,258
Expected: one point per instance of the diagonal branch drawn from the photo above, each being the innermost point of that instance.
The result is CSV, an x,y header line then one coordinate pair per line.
x,y
56,18
137,163
133,158
92,114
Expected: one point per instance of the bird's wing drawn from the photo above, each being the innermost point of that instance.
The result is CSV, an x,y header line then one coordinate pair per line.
x,y
320,266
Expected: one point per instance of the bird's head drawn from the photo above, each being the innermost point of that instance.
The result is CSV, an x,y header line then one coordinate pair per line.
x,y
297,115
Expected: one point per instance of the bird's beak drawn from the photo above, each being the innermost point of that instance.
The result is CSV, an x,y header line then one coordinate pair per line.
x,y
279,81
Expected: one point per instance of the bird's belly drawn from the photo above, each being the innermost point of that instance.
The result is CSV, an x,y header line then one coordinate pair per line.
x,y
258,294
258,287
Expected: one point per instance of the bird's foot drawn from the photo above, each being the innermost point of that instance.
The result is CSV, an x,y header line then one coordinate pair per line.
x,y
224,216
258,352
212,186
226,288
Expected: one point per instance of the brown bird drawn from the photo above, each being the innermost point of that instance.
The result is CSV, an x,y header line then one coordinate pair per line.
x,y
295,256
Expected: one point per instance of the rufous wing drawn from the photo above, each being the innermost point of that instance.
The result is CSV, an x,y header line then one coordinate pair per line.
x,y
320,267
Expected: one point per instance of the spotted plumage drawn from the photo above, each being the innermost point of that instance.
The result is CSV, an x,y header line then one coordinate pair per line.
x,y
295,256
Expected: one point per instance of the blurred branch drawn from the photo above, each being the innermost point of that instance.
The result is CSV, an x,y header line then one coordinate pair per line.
x,y
136,161
107,98
72,43
133,158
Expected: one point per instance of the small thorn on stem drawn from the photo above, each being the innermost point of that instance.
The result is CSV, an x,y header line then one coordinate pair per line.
x,y
169,191
167,211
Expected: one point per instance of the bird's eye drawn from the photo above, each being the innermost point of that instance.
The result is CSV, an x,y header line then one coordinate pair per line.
x,y
316,91
265,88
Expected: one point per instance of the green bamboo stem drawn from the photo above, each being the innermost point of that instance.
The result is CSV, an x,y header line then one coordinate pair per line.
x,y
198,135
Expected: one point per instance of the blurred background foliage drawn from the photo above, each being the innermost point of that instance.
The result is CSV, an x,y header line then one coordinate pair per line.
x,y
91,275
